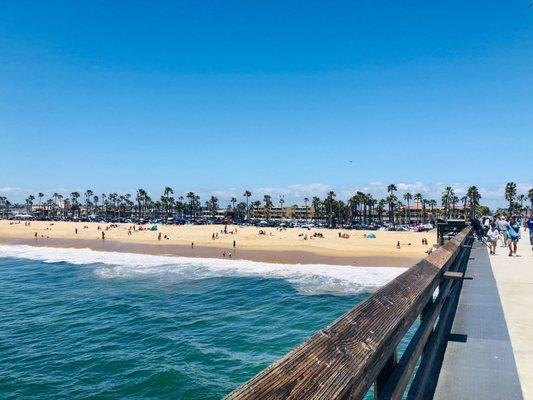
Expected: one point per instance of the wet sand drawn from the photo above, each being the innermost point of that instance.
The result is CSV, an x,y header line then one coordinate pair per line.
x,y
285,257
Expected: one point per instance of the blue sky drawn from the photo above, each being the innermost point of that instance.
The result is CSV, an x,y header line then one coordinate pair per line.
x,y
279,96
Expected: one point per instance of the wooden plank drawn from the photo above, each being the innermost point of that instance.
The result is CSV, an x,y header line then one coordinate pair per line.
x,y
343,360
453,275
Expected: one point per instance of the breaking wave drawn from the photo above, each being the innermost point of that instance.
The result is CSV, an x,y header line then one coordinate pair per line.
x,y
306,278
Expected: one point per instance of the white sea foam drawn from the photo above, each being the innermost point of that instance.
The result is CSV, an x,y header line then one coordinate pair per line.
x,y
306,278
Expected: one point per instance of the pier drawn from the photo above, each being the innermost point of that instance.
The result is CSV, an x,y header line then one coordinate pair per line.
x,y
447,308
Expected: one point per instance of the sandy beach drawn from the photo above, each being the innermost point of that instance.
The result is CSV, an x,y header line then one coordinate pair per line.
x,y
281,246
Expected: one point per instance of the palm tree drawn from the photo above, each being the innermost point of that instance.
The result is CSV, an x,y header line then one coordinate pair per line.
x,y
316,207
446,198
432,204
40,196
464,200
510,194
29,203
391,199
521,198
473,197
267,199
233,201
369,202
141,198
168,200
418,198
74,196
407,197
281,202
255,206
213,206
380,209
88,194
453,201
329,206
247,194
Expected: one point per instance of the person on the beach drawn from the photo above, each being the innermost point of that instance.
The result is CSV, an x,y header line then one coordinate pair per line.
x,y
76,231
159,236
103,235
234,244
513,235
492,238
398,245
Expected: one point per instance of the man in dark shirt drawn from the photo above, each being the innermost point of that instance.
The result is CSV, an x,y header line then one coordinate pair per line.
x,y
530,227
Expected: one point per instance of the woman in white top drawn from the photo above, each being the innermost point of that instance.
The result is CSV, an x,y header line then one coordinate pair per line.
x,y
492,238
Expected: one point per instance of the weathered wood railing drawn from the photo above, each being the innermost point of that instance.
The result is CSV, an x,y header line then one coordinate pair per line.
x,y
358,350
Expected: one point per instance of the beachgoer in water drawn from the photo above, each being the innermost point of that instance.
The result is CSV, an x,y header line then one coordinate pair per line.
x,y
192,245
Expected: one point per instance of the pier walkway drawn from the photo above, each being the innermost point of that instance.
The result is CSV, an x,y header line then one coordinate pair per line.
x,y
479,361
514,279
473,338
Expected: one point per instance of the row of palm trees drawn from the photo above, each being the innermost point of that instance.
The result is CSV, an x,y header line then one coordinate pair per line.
x,y
516,200
362,207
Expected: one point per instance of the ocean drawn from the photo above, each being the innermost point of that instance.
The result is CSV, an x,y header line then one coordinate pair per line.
x,y
82,324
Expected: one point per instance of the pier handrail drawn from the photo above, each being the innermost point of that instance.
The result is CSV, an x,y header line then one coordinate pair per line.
x,y
358,350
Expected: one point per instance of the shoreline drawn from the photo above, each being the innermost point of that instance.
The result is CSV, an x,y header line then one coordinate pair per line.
x,y
267,256
287,246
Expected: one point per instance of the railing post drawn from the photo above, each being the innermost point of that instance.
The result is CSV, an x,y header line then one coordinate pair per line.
x,y
385,374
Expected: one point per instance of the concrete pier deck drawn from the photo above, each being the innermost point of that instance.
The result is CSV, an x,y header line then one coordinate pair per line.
x,y
479,362
514,279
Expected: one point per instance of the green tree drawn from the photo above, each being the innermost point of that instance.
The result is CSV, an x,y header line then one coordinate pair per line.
x,y
247,194
473,199
407,197
510,194
267,199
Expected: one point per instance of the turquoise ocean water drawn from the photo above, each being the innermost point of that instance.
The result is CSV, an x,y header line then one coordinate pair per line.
x,y
80,324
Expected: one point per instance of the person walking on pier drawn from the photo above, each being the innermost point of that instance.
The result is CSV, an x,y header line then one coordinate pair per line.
x,y
513,235
492,238
530,227
502,225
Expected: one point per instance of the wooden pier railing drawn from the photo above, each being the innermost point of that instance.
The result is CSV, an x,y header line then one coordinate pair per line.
x,y
358,350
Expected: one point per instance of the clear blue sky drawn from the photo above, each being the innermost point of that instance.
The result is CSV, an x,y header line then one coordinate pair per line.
x,y
232,95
